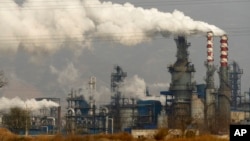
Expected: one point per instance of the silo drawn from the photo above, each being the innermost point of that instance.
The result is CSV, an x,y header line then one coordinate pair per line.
x,y
127,115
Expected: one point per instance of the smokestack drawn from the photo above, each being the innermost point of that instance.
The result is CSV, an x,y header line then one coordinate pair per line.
x,y
224,93
210,61
209,109
210,53
224,51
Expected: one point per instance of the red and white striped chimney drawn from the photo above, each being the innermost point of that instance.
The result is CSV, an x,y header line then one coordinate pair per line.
x,y
210,53
224,51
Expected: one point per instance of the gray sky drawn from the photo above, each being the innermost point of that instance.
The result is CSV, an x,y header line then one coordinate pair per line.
x,y
56,61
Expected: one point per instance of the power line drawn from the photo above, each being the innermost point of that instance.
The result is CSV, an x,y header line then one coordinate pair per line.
x,y
237,31
65,5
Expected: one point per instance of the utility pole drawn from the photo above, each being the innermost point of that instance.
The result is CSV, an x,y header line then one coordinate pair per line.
x,y
26,120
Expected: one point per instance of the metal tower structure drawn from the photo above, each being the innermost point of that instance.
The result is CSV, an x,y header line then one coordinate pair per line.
x,y
82,116
246,105
235,80
181,85
92,89
117,78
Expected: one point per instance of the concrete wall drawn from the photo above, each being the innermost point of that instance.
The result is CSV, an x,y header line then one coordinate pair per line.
x,y
141,133
237,116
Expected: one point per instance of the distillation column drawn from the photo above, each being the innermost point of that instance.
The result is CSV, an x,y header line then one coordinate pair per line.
x,y
224,92
181,86
210,104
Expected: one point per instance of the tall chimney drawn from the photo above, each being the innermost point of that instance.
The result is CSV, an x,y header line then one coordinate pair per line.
x,y
224,51
210,61
210,53
210,104
224,93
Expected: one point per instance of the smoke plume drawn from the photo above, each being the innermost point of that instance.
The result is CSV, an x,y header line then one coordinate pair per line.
x,y
135,87
46,26
66,76
30,104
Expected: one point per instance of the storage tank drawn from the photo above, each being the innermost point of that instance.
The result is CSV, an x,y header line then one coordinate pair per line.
x,y
127,113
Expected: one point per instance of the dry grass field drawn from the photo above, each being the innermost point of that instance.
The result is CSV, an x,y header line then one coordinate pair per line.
x,y
6,135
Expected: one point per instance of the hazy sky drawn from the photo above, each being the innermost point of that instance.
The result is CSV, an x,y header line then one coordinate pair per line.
x,y
47,48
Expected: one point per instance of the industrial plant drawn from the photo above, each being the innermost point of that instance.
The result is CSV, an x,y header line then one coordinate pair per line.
x,y
188,105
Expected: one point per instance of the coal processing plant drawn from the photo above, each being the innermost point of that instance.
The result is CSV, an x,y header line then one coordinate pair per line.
x,y
188,105
75,59
122,114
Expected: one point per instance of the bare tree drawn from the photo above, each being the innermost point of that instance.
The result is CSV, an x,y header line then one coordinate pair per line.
x,y
3,79
17,119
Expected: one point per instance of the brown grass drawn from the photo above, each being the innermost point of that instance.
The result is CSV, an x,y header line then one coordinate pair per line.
x,y
201,138
161,134
6,135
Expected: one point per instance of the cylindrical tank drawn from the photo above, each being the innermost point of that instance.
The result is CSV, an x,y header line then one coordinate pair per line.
x,y
127,116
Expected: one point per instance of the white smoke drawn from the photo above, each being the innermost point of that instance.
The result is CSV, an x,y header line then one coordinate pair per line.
x,y
102,96
30,104
66,76
156,88
136,88
45,27
160,85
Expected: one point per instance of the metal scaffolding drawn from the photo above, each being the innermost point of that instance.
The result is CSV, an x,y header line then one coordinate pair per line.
x,y
235,80
117,78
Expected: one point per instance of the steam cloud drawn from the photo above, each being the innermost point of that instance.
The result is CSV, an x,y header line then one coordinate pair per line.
x,y
136,87
45,27
30,104
67,75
